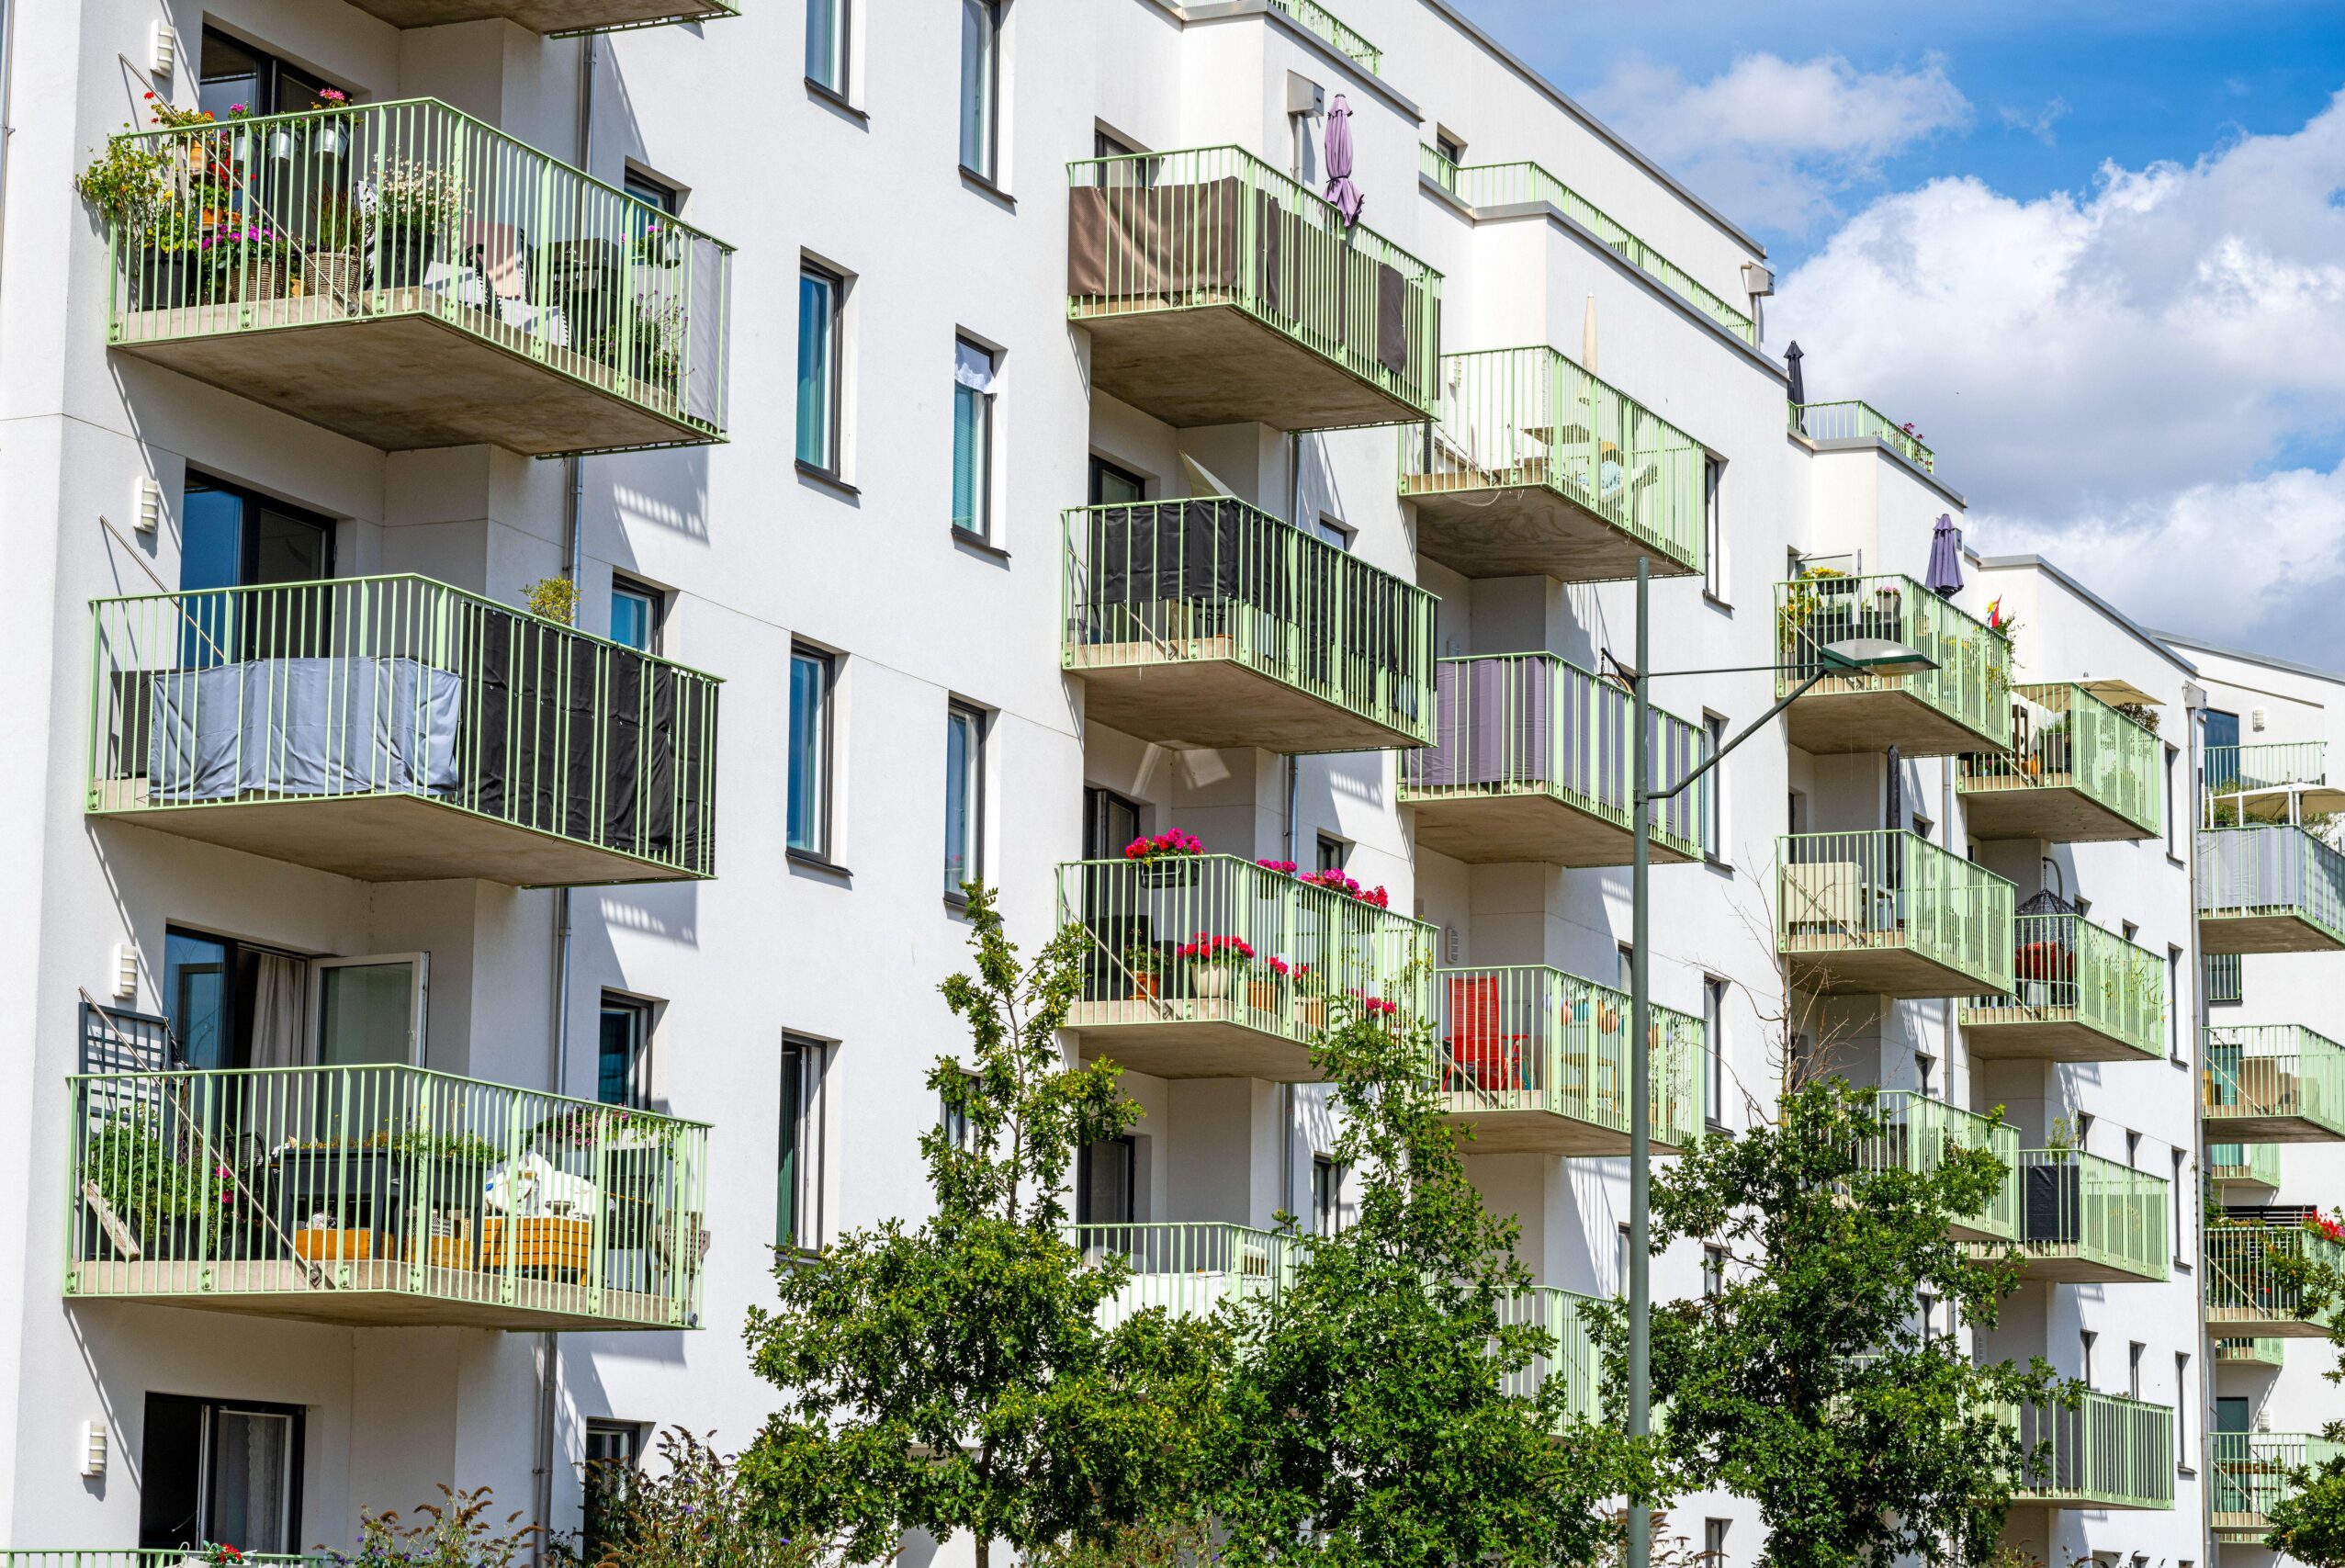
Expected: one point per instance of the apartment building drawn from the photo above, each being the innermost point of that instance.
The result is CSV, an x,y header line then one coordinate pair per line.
x,y
1006,431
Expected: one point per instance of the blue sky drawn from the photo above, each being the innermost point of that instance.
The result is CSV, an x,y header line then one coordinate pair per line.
x,y
2095,251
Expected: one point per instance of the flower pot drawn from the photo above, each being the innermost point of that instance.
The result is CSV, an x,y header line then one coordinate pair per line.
x,y
330,141
1174,871
408,252
334,274
167,280
1144,987
1208,982
261,278
1262,996
1310,1013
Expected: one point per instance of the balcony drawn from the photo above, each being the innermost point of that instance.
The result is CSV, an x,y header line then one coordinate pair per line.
x,y
1208,623
383,1196
2081,994
2269,889
2275,1083
2108,1452
2243,1165
2253,1471
2259,1353
2262,1279
1535,1061
1943,712
1565,1315
395,729
1188,1270
2084,1218
1530,761
1856,423
2077,771
1157,1007
1918,1135
1536,467
1525,184
555,18
1218,291
1331,30
2278,782
1890,914
402,275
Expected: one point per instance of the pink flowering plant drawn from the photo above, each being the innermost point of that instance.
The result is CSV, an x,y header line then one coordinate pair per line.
x,y
1171,844
1336,882
1284,867
1211,952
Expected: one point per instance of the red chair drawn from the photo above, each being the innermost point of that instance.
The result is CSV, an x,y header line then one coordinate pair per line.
x,y
1481,1055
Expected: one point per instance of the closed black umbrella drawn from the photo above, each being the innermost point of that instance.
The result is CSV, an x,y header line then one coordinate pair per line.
x,y
1797,389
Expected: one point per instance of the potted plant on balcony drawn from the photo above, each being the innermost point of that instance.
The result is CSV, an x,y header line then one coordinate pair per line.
x,y
2052,1206
329,133
1216,963
414,204
1310,995
1168,860
329,262
177,1208
248,261
1145,966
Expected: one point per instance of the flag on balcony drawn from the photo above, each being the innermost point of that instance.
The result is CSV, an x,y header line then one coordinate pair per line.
x,y
1340,189
1946,558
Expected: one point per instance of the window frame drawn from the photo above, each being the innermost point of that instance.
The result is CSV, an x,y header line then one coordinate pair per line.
x,y
990,11
251,502
1127,1151
1326,1195
833,461
1715,990
826,663
209,1411
270,70
1101,468
973,784
1713,527
802,1150
1714,737
1331,852
642,1011
655,601
980,526
842,28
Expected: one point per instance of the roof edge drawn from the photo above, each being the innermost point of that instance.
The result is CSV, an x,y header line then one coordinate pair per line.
x,y
2158,641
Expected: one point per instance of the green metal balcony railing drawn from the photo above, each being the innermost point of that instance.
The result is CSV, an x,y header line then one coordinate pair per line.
x,y
2272,1276
2065,738
1919,1133
1518,418
554,18
1858,421
2259,1163
1530,1038
1141,915
1971,683
2274,1072
1565,1316
414,208
1516,724
1507,184
1867,892
2082,1207
321,1192
401,688
2252,1352
2276,765
1189,1270
2068,970
2110,1452
1329,28
2272,872
1167,582
2254,1471
1216,226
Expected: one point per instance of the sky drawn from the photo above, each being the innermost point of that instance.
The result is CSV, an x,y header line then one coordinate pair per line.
x,y
2094,251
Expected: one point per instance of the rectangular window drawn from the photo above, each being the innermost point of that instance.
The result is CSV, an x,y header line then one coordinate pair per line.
x,y
2133,1368
811,674
2223,979
1104,1188
2181,1415
821,298
798,1166
965,774
973,368
1714,994
2174,1002
1333,852
654,192
980,86
953,1123
2172,752
622,1073
1110,822
635,614
1713,1271
1620,1259
1713,539
1714,788
2182,1221
234,74
1115,486
613,1455
826,22
219,1470
2085,1338
1714,1542
1326,1196
1624,969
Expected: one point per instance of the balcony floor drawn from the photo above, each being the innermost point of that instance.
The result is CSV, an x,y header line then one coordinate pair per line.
x,y
1511,1131
401,379
2041,1035
398,838
1208,699
1506,826
373,1296
1199,1037
2069,1269
1827,965
2056,813
2250,1323
1478,529
537,16
2084,1499
2268,1128
1826,723
1217,365
2263,933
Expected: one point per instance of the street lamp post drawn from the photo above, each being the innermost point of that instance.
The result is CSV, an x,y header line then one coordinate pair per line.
x,y
1876,656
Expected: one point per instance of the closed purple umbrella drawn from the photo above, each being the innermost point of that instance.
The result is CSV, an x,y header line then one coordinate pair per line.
x,y
1946,558
1340,189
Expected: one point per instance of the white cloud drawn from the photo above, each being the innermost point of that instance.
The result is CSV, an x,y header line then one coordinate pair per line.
x,y
1775,140
2037,123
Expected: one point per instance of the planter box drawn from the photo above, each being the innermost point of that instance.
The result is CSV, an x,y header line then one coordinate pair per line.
x,y
542,1249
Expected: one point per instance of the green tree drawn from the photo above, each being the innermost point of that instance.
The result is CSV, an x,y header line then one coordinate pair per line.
x,y
1370,1425
2307,1522
1803,1379
953,1375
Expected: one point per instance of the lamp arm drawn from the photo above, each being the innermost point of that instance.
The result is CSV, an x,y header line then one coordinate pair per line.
x,y
1715,758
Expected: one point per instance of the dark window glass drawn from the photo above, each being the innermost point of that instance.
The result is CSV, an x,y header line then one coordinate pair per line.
x,y
219,1471
619,1058
826,23
1104,1189
809,772
820,294
1112,485
234,74
980,81
1110,822
635,615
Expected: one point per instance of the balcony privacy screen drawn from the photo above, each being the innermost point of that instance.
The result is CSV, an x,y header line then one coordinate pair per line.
x,y
413,208
402,686
2275,870
2274,765
1971,683
1531,1038
1531,722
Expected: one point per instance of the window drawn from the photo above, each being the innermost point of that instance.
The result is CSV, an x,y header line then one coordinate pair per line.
x,y
2222,740
235,74
1924,1065
826,22
2181,1415
1923,828
973,368
654,192
2174,1189
811,675
965,774
1334,853
233,1005
821,300
1713,1271
1328,529
1714,1542
2133,1368
2133,1148
1104,1188
2172,752
635,614
613,1455
1326,1196
1114,486
980,86
1624,969
622,1071
2084,1341
231,537
1110,822
2224,981
219,1470
1714,994
1620,1258
1714,788
954,1121
797,1167
1927,1310
1713,539
1448,144
2174,1002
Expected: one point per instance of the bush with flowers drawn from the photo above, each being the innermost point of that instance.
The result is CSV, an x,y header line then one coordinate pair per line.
x,y
1336,882
1171,845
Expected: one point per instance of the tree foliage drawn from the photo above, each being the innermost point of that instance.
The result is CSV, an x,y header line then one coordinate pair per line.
x,y
2307,1522
1805,1380
954,1376
1369,1420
